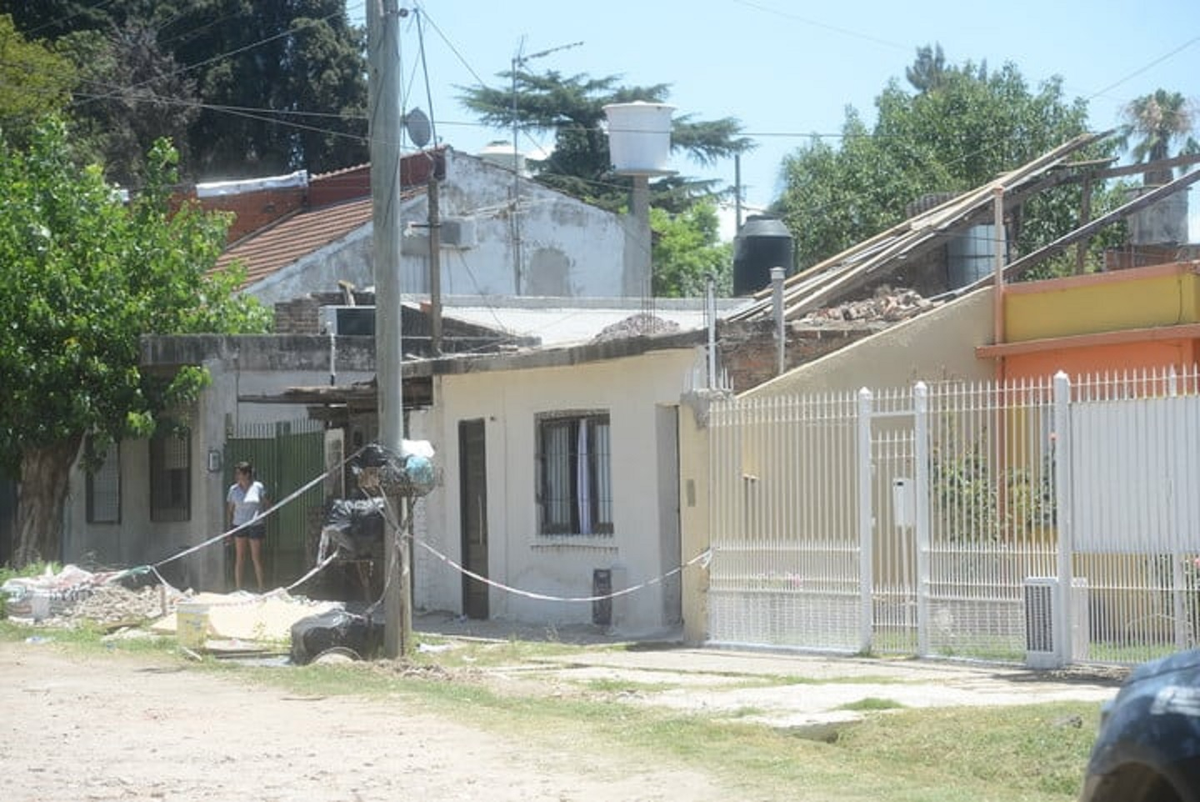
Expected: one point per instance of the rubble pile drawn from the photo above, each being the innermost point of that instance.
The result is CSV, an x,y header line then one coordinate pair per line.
x,y
637,325
110,604
886,306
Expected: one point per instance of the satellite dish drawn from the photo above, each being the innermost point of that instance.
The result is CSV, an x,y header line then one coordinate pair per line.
x,y
416,123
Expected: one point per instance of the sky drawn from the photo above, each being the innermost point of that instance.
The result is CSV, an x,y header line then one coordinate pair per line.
x,y
788,70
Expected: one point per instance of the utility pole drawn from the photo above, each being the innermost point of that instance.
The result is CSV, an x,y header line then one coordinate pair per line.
x,y
383,90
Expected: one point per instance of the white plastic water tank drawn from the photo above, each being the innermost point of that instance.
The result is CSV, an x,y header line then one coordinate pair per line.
x,y
502,154
639,137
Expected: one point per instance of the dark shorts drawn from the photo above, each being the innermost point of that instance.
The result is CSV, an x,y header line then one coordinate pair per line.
x,y
253,532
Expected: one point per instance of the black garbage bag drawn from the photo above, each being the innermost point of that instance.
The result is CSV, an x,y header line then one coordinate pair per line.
x,y
343,631
354,527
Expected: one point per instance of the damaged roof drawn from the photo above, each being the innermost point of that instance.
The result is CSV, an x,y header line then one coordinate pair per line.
x,y
871,261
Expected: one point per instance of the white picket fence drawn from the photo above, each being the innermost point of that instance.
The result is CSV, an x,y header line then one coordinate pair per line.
x,y
948,520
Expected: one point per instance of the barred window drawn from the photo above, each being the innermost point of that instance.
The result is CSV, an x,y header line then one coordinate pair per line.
x,y
574,474
170,478
103,484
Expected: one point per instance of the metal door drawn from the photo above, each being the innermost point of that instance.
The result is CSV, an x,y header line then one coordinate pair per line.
x,y
472,459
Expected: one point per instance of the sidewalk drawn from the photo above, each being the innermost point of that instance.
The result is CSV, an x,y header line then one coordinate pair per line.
x,y
794,689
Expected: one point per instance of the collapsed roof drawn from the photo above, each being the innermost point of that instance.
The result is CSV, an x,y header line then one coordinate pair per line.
x,y
874,260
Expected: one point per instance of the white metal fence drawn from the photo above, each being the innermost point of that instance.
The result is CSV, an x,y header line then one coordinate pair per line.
x,y
947,520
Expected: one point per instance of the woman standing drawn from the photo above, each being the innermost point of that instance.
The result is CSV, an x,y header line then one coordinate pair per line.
x,y
245,502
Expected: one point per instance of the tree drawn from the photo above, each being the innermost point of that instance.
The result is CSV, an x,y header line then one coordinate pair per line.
x,y
687,250
929,70
1157,120
284,85
82,275
33,80
129,94
280,86
962,131
573,108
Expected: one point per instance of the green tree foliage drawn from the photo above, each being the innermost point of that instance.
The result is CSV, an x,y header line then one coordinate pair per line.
x,y
687,250
572,107
82,276
33,80
964,127
129,94
281,85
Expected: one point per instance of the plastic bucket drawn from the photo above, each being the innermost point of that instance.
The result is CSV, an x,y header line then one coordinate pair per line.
x,y
39,606
191,625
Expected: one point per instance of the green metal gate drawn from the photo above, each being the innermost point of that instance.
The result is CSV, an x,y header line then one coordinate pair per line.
x,y
286,455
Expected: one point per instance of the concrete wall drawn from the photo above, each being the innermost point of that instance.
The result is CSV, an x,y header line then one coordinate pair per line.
x,y
238,366
937,345
639,393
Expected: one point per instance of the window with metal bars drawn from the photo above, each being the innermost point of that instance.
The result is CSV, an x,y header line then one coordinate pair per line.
x,y
170,478
574,474
103,484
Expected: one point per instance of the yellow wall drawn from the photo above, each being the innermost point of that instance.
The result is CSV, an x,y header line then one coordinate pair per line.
x,y
1163,295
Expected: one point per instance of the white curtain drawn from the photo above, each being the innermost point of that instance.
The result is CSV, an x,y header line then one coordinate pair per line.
x,y
583,480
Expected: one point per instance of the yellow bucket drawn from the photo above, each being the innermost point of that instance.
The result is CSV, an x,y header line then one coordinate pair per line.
x,y
191,625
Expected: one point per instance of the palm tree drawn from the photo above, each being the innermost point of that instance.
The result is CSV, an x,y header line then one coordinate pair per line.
x,y
1157,120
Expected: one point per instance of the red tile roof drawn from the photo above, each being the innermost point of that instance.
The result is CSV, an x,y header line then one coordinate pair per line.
x,y
335,204
264,253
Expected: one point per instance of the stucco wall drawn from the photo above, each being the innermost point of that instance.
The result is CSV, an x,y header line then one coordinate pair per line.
x,y
633,391
567,248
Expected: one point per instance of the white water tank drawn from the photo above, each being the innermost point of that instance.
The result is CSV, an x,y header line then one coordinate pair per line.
x,y
503,155
639,137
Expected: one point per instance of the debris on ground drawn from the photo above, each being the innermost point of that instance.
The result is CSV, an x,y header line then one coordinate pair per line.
x,y
69,594
886,305
113,604
637,325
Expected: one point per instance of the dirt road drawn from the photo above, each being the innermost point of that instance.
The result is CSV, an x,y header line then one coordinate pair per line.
x,y
112,728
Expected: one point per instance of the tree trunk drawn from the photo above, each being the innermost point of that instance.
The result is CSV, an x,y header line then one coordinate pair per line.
x,y
41,496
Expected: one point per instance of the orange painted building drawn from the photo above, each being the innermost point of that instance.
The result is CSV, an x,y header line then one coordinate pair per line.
x,y
1126,320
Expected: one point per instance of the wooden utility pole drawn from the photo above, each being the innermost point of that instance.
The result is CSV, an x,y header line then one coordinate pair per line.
x,y
383,90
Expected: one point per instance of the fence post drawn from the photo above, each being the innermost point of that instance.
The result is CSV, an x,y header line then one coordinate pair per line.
x,y
865,519
921,435
1062,505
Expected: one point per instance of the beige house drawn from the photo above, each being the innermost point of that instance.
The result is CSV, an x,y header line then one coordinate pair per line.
x,y
560,477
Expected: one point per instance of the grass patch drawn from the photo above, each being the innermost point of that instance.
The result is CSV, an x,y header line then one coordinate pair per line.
x,y
619,686
871,703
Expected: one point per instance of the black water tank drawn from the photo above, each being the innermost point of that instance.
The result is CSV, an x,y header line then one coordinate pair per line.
x,y
763,243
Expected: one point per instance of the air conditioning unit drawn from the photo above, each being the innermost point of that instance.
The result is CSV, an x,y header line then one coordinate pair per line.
x,y
1045,645
347,320
458,232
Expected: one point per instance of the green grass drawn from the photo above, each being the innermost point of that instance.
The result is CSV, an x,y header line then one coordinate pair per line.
x,y
1005,754
871,703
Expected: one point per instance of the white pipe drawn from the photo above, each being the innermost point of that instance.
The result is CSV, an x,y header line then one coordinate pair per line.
x,y
777,298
